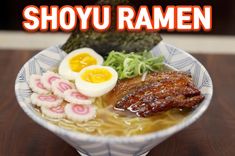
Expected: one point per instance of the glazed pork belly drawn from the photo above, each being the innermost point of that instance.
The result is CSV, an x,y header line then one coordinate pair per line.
x,y
160,91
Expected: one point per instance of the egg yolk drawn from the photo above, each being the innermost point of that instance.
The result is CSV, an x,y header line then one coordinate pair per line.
x,y
80,61
97,75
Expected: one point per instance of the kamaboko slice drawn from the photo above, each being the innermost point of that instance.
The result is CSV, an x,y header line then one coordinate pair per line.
x,y
60,86
74,96
36,84
46,100
54,112
48,77
77,112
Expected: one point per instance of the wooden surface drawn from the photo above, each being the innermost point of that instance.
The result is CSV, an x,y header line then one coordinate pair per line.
x,y
212,135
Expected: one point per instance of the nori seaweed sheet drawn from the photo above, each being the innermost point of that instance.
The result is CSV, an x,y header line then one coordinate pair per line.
x,y
104,42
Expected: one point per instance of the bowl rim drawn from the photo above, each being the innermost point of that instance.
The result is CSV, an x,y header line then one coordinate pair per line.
x,y
117,139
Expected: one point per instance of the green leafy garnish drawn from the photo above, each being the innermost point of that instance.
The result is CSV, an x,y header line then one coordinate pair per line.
x,y
132,64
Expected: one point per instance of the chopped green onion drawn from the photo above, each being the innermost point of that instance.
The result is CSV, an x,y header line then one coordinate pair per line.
x,y
132,64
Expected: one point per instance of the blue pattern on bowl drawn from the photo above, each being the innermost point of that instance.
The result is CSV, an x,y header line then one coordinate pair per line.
x,y
50,58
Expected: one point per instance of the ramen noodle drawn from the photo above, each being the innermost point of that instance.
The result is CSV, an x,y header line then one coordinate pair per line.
x,y
109,123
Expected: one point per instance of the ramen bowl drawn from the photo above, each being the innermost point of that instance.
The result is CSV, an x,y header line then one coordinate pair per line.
x,y
86,144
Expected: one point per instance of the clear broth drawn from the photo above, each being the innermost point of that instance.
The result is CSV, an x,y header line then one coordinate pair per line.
x,y
109,123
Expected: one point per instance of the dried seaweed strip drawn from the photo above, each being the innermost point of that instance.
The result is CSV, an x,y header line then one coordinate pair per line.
x,y
104,42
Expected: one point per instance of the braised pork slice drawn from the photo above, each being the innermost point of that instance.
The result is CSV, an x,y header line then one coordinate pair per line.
x,y
160,91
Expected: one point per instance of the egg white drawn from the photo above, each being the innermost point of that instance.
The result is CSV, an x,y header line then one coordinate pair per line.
x,y
96,89
64,69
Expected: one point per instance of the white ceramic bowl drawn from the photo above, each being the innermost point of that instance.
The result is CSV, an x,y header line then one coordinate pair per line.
x,y
85,144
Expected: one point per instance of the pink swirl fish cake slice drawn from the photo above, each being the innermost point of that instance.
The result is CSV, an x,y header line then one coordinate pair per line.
x,y
36,84
46,100
74,96
77,112
48,78
54,112
60,86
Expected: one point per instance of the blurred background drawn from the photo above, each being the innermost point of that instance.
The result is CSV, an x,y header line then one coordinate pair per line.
x,y
220,39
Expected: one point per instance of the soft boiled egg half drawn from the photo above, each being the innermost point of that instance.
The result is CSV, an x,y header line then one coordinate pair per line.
x,y
96,80
76,60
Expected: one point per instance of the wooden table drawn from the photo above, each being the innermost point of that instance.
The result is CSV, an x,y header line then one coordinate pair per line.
x,y
213,134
